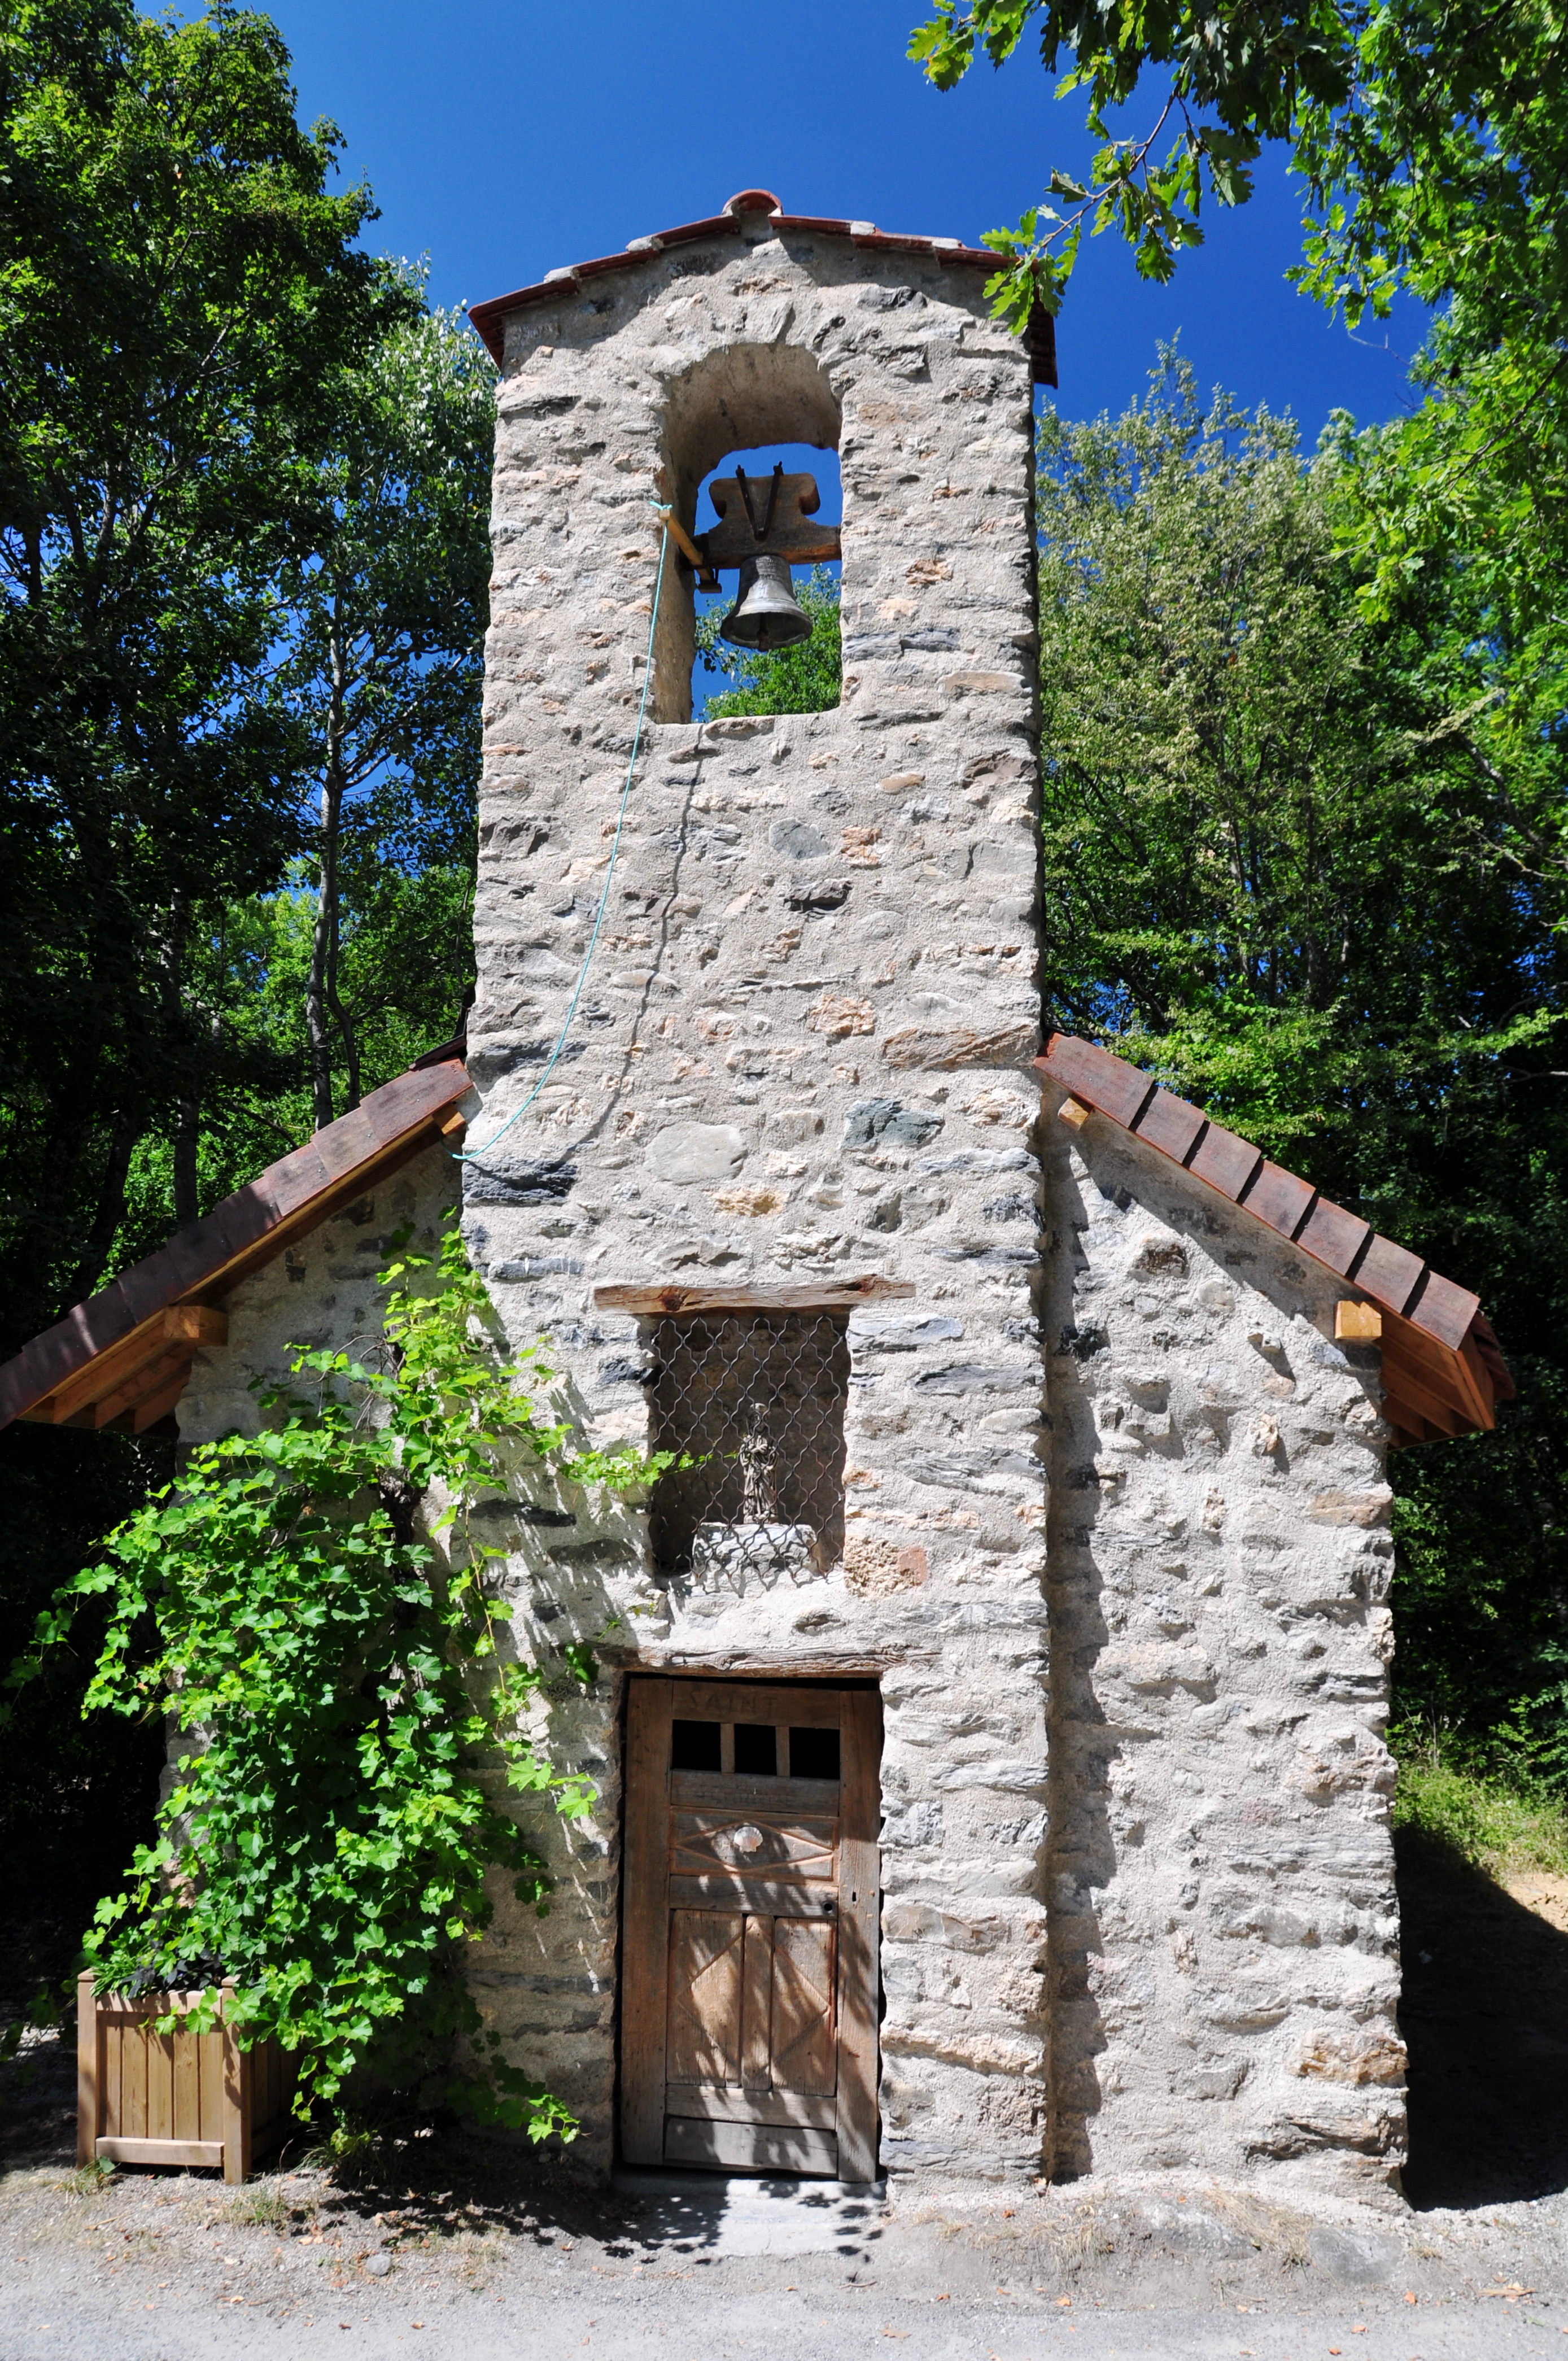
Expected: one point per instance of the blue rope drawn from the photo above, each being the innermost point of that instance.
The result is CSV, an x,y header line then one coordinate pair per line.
x,y
472,1154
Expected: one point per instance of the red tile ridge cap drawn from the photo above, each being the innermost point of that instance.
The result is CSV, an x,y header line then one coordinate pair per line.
x,y
488,317
1339,1241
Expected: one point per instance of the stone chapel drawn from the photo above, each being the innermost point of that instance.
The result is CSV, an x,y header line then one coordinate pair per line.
x,y
989,1745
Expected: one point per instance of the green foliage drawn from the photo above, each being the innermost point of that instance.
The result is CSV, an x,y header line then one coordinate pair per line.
x,y
805,678
314,1608
179,292
1433,144
1433,141
1306,866
1497,1825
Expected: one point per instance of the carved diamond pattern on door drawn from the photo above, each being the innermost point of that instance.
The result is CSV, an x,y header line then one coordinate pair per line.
x,y
749,2006
802,2042
703,1841
705,1995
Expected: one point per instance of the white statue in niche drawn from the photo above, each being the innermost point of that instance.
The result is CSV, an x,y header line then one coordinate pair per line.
x,y
758,1546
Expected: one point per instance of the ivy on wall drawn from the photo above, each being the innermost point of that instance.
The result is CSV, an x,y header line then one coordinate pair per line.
x,y
313,1607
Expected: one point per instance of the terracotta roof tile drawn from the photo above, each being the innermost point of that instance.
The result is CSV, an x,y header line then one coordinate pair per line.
x,y
1225,1162
489,318
1168,1123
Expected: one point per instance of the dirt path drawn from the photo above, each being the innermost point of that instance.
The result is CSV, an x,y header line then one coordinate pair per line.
x,y
1485,2016
472,2253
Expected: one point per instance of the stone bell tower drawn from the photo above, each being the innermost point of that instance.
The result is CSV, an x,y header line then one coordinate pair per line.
x,y
776,1205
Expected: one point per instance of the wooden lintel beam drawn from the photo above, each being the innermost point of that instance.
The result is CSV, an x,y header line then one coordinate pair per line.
x,y
196,1324
675,1302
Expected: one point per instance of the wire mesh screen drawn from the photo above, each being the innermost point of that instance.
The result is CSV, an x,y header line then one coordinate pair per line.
x,y
757,1402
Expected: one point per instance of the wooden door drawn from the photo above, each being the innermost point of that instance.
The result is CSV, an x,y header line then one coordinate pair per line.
x,y
750,1983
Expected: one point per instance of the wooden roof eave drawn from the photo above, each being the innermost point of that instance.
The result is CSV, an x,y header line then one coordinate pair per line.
x,y
1444,1372
132,1379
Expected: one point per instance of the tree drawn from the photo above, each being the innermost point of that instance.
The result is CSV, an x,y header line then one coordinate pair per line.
x,y
1433,142
384,606
178,295
1293,863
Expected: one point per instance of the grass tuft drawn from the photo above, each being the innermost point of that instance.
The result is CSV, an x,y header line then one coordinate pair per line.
x,y
262,2206
1499,1826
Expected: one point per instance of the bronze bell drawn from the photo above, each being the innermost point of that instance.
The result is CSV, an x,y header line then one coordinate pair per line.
x,y
764,615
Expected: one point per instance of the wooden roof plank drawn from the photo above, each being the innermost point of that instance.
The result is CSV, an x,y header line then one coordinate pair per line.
x,y
152,1410
1438,1330
174,1361
1406,1347
210,1256
107,1370
1410,1385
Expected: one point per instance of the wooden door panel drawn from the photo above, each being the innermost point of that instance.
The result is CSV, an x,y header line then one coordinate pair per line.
x,y
757,1893
803,2045
759,1701
723,2104
748,2011
757,2005
750,2148
704,2042
710,1790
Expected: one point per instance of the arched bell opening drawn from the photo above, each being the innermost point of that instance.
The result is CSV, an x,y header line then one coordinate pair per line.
x,y
774,599
755,407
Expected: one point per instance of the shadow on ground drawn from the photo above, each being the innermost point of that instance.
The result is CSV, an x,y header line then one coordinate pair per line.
x,y
1485,2016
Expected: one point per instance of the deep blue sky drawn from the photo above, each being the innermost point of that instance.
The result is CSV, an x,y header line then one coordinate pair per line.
x,y
502,137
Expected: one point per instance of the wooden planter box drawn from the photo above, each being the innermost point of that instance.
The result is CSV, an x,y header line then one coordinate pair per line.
x,y
178,2098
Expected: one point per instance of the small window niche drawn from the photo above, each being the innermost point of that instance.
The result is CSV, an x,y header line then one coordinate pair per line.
x,y
754,1402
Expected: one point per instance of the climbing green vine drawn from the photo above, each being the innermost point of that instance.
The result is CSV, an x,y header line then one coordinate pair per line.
x,y
312,1606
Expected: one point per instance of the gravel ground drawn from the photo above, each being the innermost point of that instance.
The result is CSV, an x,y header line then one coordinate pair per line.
x,y
472,2253
153,2267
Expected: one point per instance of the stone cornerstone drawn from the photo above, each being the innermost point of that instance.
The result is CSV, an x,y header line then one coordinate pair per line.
x,y
1114,1526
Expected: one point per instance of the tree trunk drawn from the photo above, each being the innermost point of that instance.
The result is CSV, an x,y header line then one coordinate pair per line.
x,y
320,989
186,1134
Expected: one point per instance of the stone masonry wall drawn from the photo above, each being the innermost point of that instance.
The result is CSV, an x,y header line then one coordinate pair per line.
x,y
320,1293
801,1055
1224,1926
